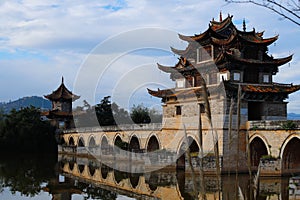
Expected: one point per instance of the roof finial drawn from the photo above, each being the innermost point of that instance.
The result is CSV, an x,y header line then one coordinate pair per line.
x,y
244,25
221,16
62,79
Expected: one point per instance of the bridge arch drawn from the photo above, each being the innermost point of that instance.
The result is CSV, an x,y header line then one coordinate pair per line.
x,y
81,142
71,166
104,146
194,149
91,170
134,180
134,144
153,144
80,168
258,148
191,140
104,171
290,154
71,141
119,143
92,141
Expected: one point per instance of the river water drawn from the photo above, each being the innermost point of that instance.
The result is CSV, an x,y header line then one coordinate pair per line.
x,y
45,177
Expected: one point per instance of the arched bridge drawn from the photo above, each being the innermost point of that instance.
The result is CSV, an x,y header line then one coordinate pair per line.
x,y
274,145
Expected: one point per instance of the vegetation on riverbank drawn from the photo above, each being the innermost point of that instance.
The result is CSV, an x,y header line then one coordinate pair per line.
x,y
24,131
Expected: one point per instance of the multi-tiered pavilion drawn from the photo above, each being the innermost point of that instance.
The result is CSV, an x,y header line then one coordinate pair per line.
x,y
224,59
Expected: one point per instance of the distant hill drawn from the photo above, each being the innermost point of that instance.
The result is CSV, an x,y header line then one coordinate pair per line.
x,y
293,116
35,101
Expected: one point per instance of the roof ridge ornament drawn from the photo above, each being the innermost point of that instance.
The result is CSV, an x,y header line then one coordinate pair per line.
x,y
221,18
244,25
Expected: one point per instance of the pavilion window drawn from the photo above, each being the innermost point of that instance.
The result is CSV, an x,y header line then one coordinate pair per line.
x,y
212,77
236,76
178,110
190,81
180,83
223,76
266,78
202,108
204,53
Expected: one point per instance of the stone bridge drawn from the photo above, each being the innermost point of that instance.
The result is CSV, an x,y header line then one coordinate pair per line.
x,y
274,145
278,142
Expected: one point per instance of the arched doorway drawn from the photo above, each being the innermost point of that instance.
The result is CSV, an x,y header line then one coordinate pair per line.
x,y
194,151
71,141
104,146
81,142
153,144
291,155
257,150
134,144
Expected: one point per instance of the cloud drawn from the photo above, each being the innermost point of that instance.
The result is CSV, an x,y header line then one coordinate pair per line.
x,y
42,40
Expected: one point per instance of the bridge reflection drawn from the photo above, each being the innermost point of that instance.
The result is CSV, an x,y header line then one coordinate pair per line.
x,y
164,184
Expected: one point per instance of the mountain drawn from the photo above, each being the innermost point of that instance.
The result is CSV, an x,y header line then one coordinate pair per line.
x,y
38,102
293,116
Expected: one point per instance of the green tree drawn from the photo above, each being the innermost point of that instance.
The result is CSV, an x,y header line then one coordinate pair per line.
x,y
140,114
24,131
104,112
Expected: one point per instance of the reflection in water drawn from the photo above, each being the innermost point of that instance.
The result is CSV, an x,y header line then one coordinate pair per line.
x,y
89,179
26,174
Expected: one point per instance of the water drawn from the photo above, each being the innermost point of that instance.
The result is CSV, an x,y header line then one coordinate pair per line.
x,y
46,177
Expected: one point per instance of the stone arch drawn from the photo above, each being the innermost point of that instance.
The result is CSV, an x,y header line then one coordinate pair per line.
x,y
263,139
80,168
104,171
258,148
134,144
71,166
134,179
153,144
71,141
92,141
119,176
152,181
91,170
104,146
191,139
81,142
290,154
181,151
119,143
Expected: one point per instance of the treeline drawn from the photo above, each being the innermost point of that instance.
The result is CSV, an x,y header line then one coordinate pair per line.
x,y
24,131
107,113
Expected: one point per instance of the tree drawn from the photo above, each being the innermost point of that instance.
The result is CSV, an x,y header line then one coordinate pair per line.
x,y
140,114
23,131
104,112
287,9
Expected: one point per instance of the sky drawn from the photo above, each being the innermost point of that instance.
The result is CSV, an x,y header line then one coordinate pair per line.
x,y
41,41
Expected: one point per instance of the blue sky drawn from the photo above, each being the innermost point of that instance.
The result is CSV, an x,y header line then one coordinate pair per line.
x,y
40,41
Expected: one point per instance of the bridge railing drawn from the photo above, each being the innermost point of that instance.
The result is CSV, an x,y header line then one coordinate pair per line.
x,y
151,126
274,125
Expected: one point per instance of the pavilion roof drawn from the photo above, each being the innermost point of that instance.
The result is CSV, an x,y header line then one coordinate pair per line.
x,y
263,88
62,93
